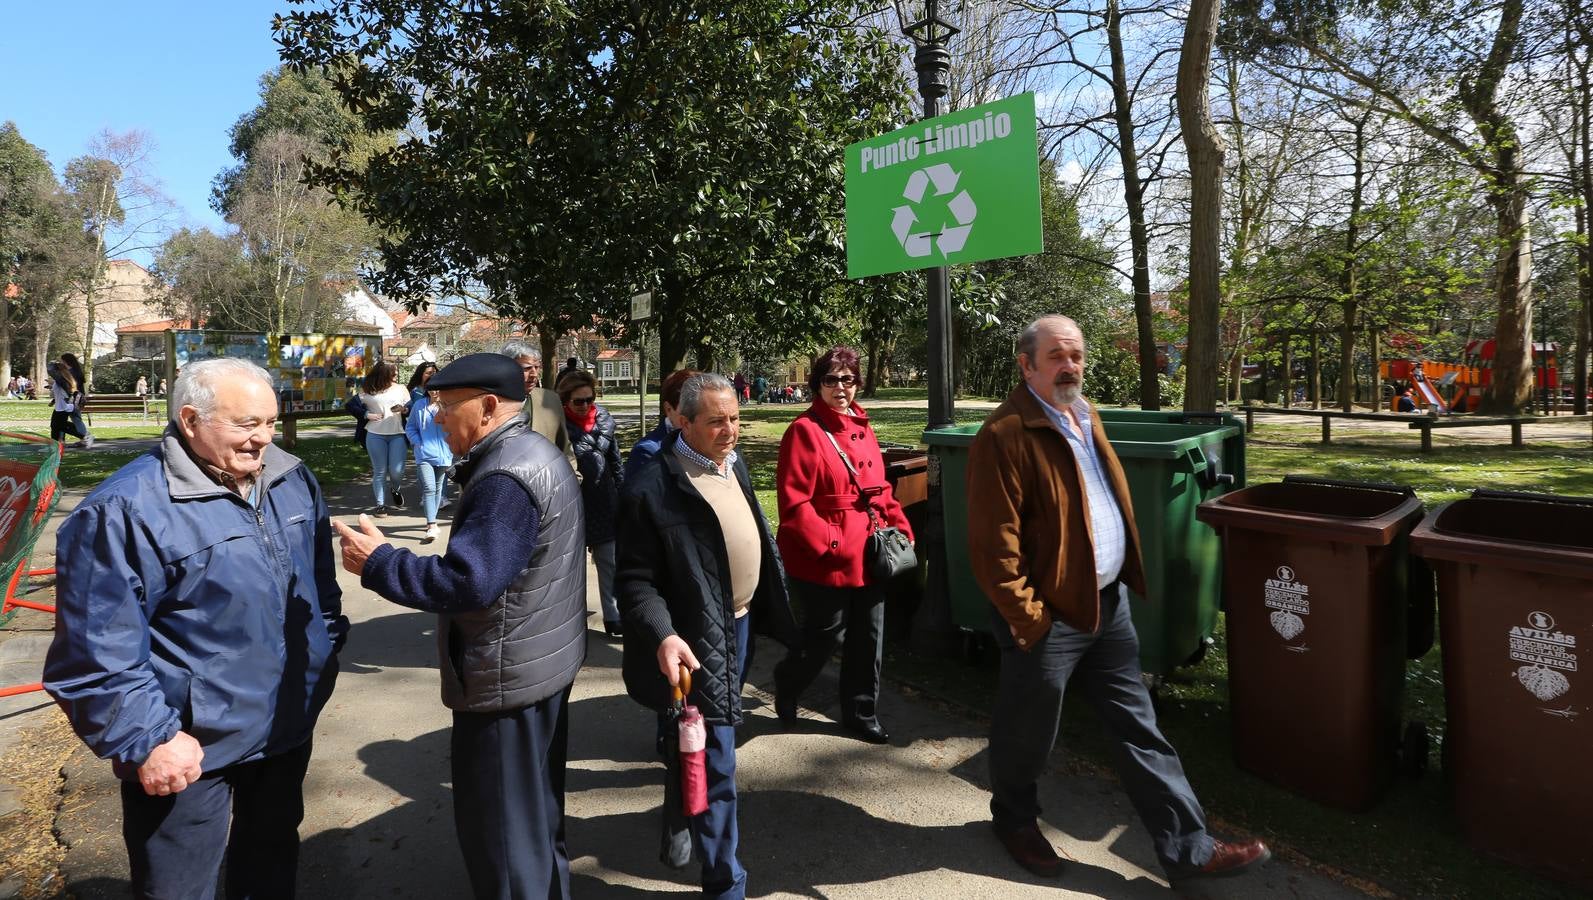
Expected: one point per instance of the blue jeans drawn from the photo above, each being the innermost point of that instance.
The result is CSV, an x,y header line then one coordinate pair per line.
x,y
714,832
387,463
433,484
1028,711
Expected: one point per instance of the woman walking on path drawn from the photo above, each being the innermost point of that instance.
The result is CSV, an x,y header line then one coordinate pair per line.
x,y
597,457
432,456
65,396
385,402
825,520
76,369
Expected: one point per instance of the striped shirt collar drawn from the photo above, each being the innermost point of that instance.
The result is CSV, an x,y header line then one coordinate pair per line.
x,y
684,451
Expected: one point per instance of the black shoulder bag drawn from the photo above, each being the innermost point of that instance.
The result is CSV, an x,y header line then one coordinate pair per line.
x,y
888,552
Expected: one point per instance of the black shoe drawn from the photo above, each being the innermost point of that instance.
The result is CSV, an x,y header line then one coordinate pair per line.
x,y
785,708
613,629
868,730
398,499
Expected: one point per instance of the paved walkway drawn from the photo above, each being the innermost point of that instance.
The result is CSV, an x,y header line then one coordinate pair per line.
x,y
822,815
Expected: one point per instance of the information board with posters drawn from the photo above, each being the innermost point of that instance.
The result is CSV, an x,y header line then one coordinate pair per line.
x,y
312,373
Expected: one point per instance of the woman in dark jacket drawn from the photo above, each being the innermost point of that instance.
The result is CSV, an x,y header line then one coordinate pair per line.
x,y
597,457
824,523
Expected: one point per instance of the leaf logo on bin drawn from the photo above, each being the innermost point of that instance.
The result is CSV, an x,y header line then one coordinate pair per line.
x,y
1543,682
1289,601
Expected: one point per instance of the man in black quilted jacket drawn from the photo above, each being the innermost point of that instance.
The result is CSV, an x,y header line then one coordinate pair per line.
x,y
698,570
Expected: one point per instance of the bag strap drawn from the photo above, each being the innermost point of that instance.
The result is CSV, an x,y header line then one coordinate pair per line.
x,y
873,517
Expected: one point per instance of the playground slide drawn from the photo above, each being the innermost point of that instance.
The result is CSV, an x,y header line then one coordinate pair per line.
x,y
1429,396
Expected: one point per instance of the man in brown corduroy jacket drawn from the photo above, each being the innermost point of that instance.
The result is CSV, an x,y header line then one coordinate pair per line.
x,y
1052,541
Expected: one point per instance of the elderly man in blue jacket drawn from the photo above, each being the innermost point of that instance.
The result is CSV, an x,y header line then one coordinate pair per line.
x,y
196,639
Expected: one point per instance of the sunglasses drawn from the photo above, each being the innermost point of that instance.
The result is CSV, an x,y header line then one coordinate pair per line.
x,y
838,380
582,401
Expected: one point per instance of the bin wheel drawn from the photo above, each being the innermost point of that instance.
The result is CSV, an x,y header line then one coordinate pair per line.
x,y
1200,652
1413,750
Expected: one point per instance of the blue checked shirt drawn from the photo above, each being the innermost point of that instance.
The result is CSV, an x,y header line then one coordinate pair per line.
x,y
684,451
1106,519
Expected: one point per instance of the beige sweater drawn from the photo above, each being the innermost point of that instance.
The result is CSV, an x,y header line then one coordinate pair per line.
x,y
740,530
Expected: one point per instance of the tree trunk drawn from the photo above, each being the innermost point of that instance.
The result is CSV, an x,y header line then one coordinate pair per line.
x,y
871,374
1349,285
1134,199
675,336
1203,145
1288,370
548,343
1511,388
1374,340
1316,369
43,330
1582,179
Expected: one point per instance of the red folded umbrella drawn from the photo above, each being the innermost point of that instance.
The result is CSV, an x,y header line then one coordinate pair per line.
x,y
693,738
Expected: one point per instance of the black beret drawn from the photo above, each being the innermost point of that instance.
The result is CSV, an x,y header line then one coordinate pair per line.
x,y
492,372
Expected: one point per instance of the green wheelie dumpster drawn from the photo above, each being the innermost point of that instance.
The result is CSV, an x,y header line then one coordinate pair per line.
x,y
1171,469
1324,604
1515,612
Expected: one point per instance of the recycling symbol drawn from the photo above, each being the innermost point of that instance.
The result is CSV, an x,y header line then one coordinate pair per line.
x,y
950,238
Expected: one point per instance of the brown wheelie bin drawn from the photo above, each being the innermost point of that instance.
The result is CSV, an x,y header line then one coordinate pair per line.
x,y
1515,599
1323,607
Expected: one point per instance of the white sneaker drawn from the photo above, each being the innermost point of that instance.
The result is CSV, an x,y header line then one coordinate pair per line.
x,y
88,441
431,533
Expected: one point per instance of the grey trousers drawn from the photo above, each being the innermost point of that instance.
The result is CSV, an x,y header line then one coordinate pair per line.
x,y
1028,714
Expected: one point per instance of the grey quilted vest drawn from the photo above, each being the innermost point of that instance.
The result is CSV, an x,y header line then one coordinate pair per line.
x,y
528,645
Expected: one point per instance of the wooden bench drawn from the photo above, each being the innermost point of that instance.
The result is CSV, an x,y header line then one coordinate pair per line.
x,y
116,403
1425,423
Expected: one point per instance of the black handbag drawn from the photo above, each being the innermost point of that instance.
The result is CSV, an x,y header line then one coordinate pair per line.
x,y
887,552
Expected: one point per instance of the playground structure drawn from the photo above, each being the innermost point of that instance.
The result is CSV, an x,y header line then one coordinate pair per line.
x,y
1458,387
29,478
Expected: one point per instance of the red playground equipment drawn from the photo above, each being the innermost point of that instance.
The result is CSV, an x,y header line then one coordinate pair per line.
x,y
1458,387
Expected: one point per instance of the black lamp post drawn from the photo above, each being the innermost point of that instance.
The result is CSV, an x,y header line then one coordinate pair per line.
x,y
933,62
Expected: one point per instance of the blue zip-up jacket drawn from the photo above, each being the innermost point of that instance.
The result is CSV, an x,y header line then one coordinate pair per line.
x,y
425,435
183,606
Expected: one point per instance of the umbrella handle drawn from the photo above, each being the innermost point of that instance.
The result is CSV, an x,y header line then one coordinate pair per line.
x,y
683,687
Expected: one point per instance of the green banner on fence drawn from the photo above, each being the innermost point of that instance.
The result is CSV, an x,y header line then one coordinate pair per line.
x,y
957,188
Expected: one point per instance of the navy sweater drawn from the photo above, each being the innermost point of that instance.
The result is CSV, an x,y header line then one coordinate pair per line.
x,y
490,544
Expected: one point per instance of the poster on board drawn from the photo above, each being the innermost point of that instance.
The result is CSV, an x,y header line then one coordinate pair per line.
x,y
310,372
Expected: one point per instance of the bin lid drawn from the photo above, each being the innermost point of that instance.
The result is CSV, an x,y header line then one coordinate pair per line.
x,y
1535,532
1164,440
1348,512
955,436
1136,439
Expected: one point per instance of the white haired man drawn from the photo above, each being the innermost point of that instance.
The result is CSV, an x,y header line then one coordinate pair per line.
x,y
197,637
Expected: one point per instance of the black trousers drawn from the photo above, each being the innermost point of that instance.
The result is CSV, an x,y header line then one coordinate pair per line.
x,y
852,617
1028,714
175,843
508,773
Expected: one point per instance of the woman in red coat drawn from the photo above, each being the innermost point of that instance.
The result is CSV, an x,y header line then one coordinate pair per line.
x,y
824,522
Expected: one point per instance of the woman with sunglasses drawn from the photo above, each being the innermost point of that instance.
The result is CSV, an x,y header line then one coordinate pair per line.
x,y
826,516
597,458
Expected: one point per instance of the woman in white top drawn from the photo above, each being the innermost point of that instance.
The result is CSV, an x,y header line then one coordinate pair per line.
x,y
385,402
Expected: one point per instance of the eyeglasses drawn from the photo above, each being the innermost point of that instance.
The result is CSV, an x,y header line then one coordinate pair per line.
x,y
582,401
838,380
445,408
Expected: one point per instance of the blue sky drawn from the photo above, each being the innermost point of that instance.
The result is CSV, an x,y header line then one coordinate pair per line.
x,y
181,71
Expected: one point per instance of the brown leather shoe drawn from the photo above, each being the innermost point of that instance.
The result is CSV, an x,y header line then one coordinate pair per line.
x,y
1029,848
1230,859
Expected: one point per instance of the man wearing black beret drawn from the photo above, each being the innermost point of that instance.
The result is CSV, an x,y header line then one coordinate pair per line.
x,y
510,594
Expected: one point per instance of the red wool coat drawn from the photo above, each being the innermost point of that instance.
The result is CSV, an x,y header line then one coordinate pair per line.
x,y
823,521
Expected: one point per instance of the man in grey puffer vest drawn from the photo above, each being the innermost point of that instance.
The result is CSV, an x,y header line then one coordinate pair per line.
x,y
510,593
